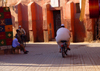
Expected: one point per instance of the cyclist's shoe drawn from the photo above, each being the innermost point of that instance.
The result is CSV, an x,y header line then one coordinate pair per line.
x,y
66,53
68,49
26,52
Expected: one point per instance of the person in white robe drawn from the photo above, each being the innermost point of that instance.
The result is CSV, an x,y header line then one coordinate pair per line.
x,y
63,34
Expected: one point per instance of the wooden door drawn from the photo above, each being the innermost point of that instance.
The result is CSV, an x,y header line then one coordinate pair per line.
x,y
57,20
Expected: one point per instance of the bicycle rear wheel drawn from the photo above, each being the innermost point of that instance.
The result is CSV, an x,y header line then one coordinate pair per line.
x,y
24,41
63,52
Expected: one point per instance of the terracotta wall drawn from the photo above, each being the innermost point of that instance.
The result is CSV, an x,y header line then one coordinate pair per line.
x,y
23,17
80,31
89,24
32,21
24,9
50,23
0,3
69,17
39,21
14,13
79,28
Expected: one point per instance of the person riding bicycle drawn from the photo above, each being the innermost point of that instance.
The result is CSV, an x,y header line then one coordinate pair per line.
x,y
22,33
63,34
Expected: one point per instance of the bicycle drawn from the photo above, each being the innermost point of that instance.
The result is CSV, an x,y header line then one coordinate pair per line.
x,y
64,48
23,37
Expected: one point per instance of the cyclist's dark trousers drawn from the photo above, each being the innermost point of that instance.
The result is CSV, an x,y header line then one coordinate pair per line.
x,y
23,37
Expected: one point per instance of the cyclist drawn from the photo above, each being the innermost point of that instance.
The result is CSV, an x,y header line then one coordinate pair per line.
x,y
63,34
22,33
18,36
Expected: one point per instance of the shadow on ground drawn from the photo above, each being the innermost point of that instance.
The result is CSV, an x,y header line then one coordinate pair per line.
x,y
47,55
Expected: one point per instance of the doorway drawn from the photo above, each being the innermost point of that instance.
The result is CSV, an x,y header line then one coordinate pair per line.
x,y
57,20
97,30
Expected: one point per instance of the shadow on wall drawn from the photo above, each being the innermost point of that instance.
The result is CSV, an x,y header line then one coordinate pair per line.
x,y
14,25
14,22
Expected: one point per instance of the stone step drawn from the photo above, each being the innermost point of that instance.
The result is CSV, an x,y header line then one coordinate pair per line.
x,y
9,51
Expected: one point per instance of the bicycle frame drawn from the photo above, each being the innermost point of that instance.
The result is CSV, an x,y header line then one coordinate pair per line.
x,y
64,48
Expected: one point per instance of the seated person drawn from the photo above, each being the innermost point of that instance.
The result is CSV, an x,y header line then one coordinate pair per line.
x,y
17,45
63,34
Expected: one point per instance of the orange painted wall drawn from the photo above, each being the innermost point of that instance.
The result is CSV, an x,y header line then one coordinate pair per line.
x,y
50,23
32,21
69,18
35,21
39,21
72,8
72,21
23,18
33,11
19,14
42,17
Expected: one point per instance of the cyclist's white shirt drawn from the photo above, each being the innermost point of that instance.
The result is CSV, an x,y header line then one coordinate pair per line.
x,y
62,34
22,31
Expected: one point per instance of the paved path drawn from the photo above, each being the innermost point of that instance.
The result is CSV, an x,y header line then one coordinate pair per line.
x,y
45,57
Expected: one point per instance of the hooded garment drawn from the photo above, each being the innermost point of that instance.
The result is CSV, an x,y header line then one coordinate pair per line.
x,y
62,34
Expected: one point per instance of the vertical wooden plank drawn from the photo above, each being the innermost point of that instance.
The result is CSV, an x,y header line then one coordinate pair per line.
x,y
19,14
